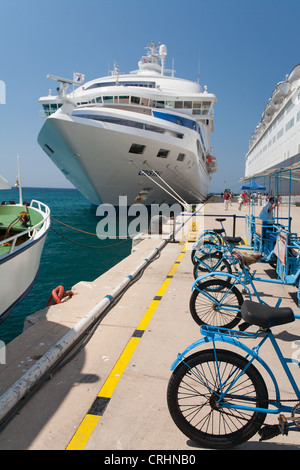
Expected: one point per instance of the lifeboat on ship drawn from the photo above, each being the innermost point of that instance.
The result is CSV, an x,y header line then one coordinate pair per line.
x,y
269,109
211,163
281,90
295,74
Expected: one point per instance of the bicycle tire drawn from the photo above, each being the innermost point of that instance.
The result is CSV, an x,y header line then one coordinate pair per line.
x,y
208,238
208,262
204,308
192,396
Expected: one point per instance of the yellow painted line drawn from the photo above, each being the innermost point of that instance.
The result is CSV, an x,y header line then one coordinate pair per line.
x,y
86,427
83,433
115,375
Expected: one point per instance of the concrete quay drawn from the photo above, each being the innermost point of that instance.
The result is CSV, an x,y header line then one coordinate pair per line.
x,y
111,395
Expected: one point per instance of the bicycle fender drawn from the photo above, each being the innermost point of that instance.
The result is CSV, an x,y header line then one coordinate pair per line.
x,y
180,356
235,342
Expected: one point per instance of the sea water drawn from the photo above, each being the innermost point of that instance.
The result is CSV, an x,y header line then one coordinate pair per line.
x,y
69,256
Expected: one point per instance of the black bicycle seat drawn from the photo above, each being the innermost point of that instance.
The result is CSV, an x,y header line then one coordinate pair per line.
x,y
218,230
220,220
264,316
233,240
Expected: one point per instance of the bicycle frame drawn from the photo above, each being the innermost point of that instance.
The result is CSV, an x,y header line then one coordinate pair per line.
x,y
213,335
243,278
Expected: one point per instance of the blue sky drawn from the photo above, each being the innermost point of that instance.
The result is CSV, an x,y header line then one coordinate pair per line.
x,y
245,48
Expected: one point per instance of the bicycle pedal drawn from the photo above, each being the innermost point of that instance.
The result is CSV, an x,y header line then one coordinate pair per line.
x,y
283,425
268,432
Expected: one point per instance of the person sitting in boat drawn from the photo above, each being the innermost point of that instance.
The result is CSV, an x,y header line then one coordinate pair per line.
x,y
266,213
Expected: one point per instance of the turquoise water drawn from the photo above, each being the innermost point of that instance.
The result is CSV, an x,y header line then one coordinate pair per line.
x,y
63,263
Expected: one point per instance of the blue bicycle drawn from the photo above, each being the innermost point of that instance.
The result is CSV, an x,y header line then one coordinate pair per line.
x,y
218,398
218,296
213,240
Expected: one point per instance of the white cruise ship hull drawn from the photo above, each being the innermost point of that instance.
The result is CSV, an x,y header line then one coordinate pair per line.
x,y
96,158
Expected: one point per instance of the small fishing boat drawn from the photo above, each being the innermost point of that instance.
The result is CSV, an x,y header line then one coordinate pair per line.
x,y
23,231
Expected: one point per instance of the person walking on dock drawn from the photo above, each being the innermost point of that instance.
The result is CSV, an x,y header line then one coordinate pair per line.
x,y
226,199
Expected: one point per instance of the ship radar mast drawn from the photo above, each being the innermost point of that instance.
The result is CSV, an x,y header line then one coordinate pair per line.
x,y
155,54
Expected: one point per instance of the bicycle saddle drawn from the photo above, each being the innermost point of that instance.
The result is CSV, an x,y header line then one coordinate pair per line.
x,y
264,316
233,240
218,230
220,220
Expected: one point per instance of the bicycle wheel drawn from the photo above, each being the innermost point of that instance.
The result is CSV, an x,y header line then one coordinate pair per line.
x,y
212,262
218,303
207,238
194,390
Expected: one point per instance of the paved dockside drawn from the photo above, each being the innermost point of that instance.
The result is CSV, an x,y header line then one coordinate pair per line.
x,y
112,394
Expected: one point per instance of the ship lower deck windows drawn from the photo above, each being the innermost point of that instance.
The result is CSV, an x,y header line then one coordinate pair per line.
x,y
135,100
108,99
181,157
163,153
124,99
137,148
289,124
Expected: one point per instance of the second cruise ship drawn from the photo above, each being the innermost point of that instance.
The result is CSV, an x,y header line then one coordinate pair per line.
x,y
276,140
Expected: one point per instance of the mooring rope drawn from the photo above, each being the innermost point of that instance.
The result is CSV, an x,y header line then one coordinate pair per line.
x,y
88,233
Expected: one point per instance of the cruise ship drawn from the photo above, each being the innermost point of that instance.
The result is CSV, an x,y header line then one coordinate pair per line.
x,y
276,140
144,135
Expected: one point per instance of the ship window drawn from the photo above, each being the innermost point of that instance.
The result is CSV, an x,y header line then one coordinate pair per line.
x,y
135,100
196,111
108,99
280,133
124,99
148,127
205,107
178,104
162,153
152,103
144,101
169,104
116,99
137,148
160,104
197,104
289,124
181,157
99,99
187,104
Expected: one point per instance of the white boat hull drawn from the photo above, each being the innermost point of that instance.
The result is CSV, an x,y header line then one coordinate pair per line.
x,y
21,252
18,272
95,157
